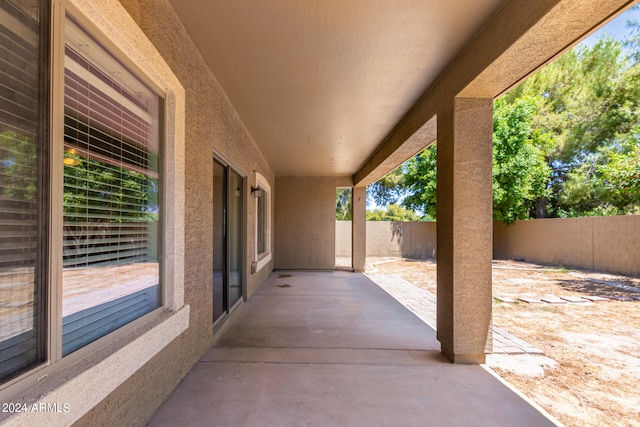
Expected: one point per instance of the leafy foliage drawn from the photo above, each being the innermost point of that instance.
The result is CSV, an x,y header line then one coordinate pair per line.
x,y
387,189
565,142
344,205
420,181
392,213
99,192
18,166
621,177
520,172
588,106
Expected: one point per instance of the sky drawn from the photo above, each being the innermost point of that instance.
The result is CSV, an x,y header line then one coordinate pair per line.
x,y
616,27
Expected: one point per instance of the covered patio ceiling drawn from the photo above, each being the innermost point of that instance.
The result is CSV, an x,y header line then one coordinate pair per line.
x,y
320,84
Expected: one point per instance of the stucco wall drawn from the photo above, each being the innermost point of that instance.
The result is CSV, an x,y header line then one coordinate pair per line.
x,y
305,223
211,123
609,244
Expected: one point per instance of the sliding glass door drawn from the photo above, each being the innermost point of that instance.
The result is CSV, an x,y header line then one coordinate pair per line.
x,y
235,213
228,238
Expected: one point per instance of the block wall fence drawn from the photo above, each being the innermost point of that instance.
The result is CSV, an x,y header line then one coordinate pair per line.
x,y
607,244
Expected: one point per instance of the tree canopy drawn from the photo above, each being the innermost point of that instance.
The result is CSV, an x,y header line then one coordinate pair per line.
x,y
566,142
343,204
393,212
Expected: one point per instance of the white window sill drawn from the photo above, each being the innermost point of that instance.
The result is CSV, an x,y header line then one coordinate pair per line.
x,y
261,262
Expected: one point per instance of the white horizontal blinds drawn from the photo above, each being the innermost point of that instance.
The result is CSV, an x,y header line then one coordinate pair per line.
x,y
111,158
21,323
111,185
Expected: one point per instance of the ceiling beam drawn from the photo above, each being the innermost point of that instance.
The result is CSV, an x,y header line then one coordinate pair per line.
x,y
522,37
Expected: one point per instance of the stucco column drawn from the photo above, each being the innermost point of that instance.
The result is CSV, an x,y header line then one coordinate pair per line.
x,y
464,229
359,228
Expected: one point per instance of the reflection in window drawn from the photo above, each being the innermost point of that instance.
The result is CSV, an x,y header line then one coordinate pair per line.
x,y
22,211
261,201
262,249
111,187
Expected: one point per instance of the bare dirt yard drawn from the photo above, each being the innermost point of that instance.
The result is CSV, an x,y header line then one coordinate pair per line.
x,y
590,373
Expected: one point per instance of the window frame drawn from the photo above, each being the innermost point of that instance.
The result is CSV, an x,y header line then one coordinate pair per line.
x,y
150,302
262,190
113,358
40,312
65,10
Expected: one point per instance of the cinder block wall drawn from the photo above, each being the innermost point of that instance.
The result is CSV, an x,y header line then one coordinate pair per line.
x,y
384,238
343,239
418,240
608,244
387,239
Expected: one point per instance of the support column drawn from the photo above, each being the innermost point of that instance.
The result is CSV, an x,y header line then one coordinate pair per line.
x,y
359,228
464,229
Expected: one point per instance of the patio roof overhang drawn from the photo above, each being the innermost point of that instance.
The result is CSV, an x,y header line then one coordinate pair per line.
x,y
320,84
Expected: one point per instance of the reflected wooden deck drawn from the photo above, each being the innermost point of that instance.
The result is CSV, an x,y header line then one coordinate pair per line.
x,y
88,287
82,288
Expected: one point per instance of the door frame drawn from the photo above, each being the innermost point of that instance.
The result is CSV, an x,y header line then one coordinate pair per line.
x,y
228,308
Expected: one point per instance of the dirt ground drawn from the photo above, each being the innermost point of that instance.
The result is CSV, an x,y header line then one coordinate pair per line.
x,y
590,373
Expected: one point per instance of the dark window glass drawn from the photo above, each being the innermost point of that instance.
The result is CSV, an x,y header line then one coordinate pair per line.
x,y
23,195
262,226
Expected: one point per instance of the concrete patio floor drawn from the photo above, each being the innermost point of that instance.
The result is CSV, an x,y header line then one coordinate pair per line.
x,y
334,349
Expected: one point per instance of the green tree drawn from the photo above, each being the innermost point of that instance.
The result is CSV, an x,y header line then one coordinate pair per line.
x,y
565,141
588,105
112,194
620,175
393,212
420,182
343,204
387,189
520,171
18,166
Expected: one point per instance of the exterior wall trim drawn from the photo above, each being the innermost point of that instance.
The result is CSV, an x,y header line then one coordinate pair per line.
x,y
109,368
261,260
117,26
85,378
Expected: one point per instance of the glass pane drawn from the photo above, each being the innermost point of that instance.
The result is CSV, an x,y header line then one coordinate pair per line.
x,y
219,196
344,213
236,205
262,231
22,325
111,186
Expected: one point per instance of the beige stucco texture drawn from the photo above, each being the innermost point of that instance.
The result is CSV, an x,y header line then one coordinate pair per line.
x,y
305,221
464,201
211,124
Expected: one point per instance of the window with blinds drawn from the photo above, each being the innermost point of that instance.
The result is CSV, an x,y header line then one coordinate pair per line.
x,y
23,169
111,192
262,196
261,208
